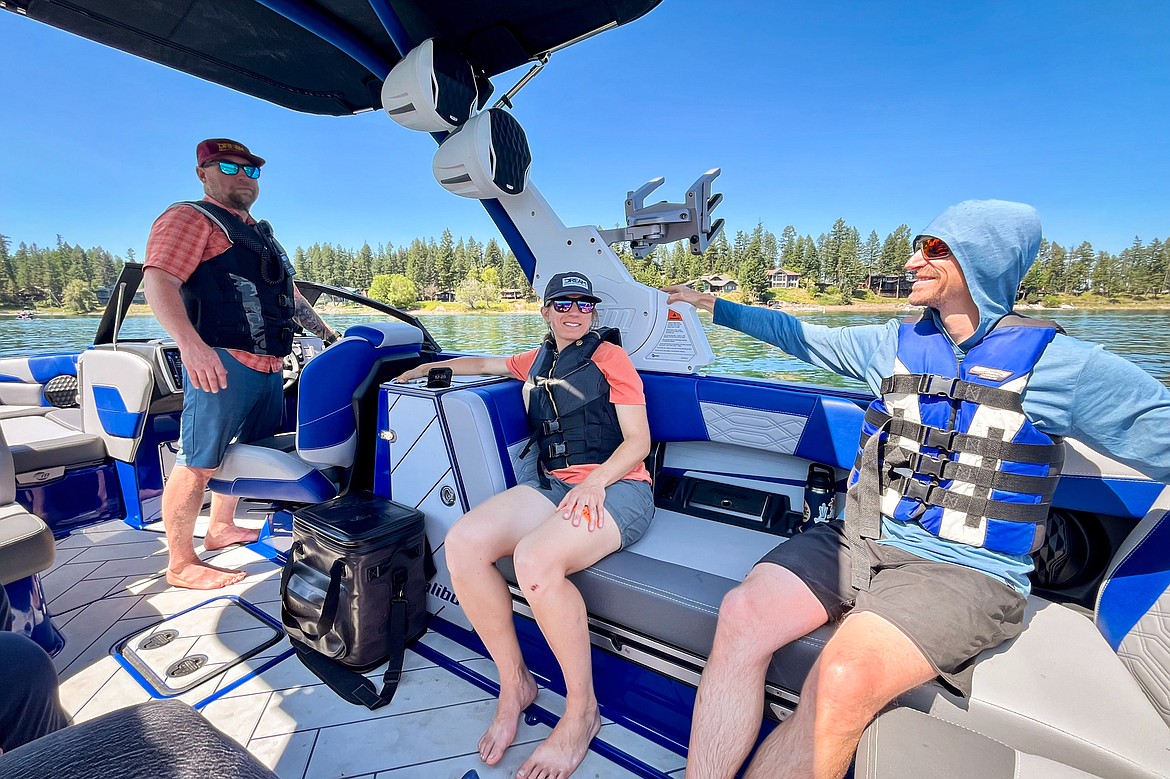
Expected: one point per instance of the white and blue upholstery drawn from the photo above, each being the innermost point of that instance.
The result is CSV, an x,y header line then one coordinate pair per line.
x,y
23,381
330,391
116,389
1133,605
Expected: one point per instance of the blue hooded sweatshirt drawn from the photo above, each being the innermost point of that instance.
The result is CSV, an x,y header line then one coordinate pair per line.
x,y
1078,389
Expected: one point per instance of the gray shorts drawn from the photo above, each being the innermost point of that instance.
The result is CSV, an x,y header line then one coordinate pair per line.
x,y
951,613
629,502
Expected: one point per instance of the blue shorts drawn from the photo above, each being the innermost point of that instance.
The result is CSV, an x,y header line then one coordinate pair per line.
x,y
629,502
249,409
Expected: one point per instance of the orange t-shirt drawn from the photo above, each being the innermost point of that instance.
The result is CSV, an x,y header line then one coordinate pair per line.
x,y
183,238
625,389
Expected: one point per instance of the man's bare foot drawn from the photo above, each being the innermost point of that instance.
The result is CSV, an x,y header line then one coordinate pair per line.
x,y
229,537
201,576
564,749
500,734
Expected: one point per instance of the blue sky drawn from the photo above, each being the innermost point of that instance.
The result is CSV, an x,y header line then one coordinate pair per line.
x,y
877,113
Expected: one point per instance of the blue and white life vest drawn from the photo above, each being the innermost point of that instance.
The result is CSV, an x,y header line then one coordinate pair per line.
x,y
956,452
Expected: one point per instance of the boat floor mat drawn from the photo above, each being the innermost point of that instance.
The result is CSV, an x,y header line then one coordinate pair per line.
x,y
187,649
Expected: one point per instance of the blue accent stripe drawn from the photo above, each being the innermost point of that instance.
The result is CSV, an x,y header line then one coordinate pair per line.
x,y
112,413
333,30
1135,586
131,500
832,432
313,487
50,366
1114,497
512,236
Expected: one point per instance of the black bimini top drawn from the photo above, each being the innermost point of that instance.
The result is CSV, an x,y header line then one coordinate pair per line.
x,y
325,56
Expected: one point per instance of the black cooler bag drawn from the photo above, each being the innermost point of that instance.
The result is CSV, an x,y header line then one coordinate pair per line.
x,y
353,592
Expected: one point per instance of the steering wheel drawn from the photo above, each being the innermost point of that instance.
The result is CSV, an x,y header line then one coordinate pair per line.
x,y
292,367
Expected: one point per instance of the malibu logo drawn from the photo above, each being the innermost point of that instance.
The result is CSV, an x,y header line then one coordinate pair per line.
x,y
441,592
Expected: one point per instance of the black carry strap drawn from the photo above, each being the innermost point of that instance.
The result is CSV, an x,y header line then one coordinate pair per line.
x,y
348,683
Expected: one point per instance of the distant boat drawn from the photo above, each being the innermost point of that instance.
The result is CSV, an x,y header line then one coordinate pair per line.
x,y
25,316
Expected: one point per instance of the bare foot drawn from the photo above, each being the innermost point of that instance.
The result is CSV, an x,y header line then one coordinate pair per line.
x,y
229,537
563,750
502,731
201,576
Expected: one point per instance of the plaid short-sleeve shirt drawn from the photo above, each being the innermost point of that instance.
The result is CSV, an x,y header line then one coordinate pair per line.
x,y
180,240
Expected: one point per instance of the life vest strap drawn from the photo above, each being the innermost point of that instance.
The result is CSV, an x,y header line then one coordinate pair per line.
x,y
956,389
975,507
954,441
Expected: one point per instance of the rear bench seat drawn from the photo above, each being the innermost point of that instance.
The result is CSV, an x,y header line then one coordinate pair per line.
x,y
32,386
1047,695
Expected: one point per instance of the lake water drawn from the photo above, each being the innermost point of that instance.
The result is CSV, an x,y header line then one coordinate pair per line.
x,y
1142,336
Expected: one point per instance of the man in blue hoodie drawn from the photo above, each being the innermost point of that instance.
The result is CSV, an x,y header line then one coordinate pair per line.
x,y
958,460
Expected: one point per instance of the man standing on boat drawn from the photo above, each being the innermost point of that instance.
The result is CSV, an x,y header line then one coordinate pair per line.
x,y
221,285
958,459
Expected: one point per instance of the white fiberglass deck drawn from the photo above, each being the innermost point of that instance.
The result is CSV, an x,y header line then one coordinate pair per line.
x,y
284,715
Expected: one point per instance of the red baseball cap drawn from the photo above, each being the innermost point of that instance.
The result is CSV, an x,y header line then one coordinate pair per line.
x,y
216,148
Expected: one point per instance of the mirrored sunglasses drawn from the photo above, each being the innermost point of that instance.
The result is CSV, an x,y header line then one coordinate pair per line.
x,y
232,168
563,306
932,248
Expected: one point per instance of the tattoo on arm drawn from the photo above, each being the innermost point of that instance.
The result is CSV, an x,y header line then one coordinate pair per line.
x,y
307,318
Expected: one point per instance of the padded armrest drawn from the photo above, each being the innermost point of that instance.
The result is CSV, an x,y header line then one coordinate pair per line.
x,y
155,740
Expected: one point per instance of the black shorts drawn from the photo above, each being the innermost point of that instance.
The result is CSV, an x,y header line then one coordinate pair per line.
x,y
951,613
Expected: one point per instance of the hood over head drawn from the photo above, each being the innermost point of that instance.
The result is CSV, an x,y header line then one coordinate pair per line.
x,y
994,242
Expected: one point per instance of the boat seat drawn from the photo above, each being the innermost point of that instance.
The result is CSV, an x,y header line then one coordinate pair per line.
x,y
1059,691
333,396
26,543
907,744
50,440
10,410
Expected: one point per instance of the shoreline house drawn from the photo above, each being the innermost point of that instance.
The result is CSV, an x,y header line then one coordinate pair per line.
x,y
781,278
715,283
893,285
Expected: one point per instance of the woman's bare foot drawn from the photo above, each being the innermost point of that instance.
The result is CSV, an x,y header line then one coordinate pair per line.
x,y
228,537
201,576
564,749
500,734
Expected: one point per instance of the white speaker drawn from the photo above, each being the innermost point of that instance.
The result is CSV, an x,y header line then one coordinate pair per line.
x,y
433,89
486,158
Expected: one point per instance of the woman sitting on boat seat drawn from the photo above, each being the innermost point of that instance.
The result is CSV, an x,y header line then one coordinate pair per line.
x,y
587,413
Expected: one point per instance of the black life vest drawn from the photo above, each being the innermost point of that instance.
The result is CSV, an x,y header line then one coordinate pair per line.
x,y
569,412
243,298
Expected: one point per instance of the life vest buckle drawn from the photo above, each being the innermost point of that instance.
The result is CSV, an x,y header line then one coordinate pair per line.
x,y
937,386
557,450
921,492
550,426
943,440
929,465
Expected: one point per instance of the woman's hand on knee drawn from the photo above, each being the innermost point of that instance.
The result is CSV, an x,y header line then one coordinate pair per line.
x,y
585,501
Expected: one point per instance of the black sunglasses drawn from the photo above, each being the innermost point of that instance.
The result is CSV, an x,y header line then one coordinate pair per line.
x,y
563,306
232,168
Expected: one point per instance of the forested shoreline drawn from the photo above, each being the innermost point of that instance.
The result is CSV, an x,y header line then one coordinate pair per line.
x,y
478,274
